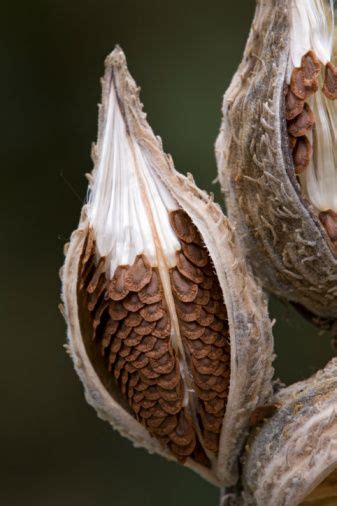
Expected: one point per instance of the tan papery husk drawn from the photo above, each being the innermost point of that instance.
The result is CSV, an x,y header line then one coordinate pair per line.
x,y
285,242
250,329
289,456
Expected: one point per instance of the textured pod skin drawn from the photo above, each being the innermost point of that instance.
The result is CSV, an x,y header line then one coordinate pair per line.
x,y
250,329
288,458
287,245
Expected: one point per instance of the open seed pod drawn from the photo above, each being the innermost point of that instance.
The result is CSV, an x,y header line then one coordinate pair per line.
x,y
292,457
167,328
277,152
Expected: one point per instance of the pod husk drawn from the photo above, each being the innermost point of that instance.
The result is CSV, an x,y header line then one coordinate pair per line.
x,y
293,452
250,329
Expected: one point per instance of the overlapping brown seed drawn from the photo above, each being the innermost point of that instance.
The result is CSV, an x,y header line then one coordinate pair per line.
x,y
300,120
131,328
330,81
329,221
299,116
209,362
302,154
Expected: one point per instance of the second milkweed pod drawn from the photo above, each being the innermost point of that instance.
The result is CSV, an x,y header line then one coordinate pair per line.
x,y
167,328
277,153
291,458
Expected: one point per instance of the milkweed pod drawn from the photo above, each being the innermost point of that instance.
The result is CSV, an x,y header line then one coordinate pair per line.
x,y
277,152
167,328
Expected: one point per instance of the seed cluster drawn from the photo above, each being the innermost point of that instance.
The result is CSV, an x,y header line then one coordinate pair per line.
x,y
301,120
299,116
179,398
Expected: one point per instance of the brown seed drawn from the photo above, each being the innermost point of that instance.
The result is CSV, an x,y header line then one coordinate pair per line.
x,y
171,380
88,247
138,274
195,254
100,269
188,311
215,406
94,297
133,320
182,288
311,68
330,81
162,327
183,434
184,451
152,312
132,302
131,357
155,422
141,361
294,105
166,426
145,328
182,225
147,344
211,422
163,365
217,325
109,331
151,293
300,86
198,349
191,330
172,395
203,296
125,351
205,318
148,374
303,123
152,393
117,289
171,407
211,441
209,336
329,221
123,331
117,311
302,154
187,269
160,348
116,345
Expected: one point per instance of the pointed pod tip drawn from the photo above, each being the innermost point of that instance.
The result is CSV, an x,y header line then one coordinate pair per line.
x,y
116,58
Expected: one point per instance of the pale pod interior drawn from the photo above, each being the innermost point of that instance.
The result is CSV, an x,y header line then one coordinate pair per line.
x,y
311,107
152,315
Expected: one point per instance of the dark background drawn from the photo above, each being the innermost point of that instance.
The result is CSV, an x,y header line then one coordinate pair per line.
x,y
54,450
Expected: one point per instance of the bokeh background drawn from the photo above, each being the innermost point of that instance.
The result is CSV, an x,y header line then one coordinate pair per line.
x,y
54,450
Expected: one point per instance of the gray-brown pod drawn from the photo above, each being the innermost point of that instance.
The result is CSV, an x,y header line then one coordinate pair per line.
x,y
167,328
277,152
291,458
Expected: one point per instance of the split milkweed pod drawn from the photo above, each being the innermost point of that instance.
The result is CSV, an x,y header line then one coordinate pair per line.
x,y
277,152
167,328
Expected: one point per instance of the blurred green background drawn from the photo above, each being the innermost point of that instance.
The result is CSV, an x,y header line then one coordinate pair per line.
x,y
54,450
